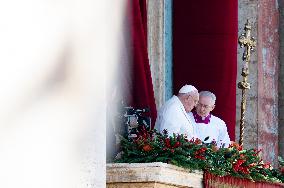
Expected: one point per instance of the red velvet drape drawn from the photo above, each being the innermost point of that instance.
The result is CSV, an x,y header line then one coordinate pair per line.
x,y
214,181
205,51
142,87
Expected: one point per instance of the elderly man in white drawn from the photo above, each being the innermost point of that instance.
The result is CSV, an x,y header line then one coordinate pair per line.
x,y
173,114
206,124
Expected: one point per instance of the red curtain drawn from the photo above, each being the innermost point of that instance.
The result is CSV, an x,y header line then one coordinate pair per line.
x,y
142,87
205,51
214,181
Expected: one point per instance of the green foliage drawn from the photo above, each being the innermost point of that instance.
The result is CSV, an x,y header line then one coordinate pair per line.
x,y
152,146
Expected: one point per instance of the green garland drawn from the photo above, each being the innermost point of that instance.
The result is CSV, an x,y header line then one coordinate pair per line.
x,y
152,146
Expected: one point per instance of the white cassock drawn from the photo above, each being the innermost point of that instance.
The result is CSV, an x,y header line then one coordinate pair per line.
x,y
173,117
216,130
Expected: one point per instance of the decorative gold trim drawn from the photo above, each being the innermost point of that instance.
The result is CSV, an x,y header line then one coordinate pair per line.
x,y
245,40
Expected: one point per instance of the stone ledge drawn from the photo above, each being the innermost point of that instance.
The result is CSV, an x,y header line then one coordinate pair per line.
x,y
158,173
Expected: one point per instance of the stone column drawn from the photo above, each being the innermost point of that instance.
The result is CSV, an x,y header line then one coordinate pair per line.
x,y
159,18
261,129
268,60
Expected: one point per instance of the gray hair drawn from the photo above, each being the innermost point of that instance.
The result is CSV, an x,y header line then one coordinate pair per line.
x,y
208,94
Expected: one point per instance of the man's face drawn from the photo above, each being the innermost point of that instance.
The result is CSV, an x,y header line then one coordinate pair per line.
x,y
204,106
191,101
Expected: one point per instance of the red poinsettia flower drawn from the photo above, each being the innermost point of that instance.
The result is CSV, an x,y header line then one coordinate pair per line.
x,y
252,164
237,165
197,141
282,170
147,148
266,165
244,170
177,144
199,157
200,151
167,142
236,145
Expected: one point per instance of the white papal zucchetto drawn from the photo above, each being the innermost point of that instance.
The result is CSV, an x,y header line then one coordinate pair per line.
x,y
187,89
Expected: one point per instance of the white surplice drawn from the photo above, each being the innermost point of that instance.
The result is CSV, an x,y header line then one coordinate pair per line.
x,y
216,130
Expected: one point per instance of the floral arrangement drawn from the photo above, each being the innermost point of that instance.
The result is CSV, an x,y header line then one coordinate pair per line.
x,y
152,146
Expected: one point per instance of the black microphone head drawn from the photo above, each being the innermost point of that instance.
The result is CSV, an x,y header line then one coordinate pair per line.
x,y
146,109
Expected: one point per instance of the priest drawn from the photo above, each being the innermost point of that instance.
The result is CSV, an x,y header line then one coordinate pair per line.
x,y
206,124
173,114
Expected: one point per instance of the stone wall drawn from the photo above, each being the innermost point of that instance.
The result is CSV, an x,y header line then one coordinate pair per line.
x,y
261,125
268,69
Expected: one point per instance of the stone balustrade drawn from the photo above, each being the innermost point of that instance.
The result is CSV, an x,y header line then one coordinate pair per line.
x,y
151,175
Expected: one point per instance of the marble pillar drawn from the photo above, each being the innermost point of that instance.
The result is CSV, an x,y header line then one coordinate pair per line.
x,y
159,21
261,123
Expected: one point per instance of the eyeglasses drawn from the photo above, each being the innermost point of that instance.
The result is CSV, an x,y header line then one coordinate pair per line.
x,y
203,105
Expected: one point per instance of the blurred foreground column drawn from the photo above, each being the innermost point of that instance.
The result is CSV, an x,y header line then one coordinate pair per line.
x,y
53,101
